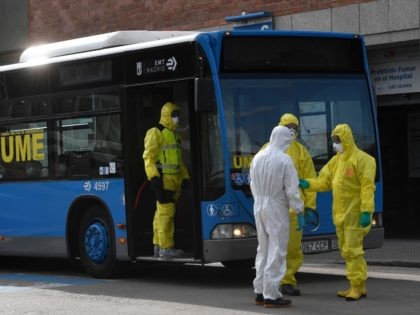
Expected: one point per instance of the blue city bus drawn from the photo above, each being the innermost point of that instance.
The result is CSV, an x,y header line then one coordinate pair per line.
x,y
74,114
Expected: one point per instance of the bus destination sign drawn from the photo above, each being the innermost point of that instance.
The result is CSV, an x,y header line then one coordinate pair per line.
x,y
146,67
162,64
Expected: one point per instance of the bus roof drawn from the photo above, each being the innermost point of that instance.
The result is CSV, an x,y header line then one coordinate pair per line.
x,y
121,41
97,45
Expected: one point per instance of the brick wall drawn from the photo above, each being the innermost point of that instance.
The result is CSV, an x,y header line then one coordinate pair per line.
x,y
54,20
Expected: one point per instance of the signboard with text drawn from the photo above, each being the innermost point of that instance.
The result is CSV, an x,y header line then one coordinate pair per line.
x,y
396,70
397,77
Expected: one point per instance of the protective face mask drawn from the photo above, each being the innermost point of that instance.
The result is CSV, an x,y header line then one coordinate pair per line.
x,y
175,120
293,133
338,147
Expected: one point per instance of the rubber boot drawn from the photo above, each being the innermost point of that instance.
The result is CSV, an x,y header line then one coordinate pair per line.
x,y
354,294
343,293
362,287
156,250
363,291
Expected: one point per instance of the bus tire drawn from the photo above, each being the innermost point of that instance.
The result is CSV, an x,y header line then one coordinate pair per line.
x,y
239,265
97,244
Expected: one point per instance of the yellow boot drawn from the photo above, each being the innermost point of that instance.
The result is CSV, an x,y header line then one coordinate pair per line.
x,y
354,294
343,293
363,291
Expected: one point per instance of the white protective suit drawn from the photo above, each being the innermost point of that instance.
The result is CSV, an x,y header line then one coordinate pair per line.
x,y
274,185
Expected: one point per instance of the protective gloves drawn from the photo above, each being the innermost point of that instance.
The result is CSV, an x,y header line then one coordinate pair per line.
x,y
303,183
185,184
311,219
301,221
310,216
156,185
365,219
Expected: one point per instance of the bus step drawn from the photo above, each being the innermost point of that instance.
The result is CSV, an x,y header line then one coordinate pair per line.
x,y
184,260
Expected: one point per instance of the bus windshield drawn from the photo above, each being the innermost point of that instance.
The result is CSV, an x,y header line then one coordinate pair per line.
x,y
254,104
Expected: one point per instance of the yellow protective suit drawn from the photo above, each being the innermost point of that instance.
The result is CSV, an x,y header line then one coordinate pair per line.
x,y
351,177
305,169
163,221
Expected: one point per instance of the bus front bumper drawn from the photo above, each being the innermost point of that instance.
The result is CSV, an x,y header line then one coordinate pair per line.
x,y
240,249
229,249
375,238
325,243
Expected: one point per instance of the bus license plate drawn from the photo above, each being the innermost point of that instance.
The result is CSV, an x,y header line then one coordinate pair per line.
x,y
315,246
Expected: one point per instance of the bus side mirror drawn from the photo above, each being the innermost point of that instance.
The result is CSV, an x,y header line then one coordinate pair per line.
x,y
204,96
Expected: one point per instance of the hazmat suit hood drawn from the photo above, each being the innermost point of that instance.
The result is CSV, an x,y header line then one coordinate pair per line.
x,y
165,115
280,138
346,136
287,119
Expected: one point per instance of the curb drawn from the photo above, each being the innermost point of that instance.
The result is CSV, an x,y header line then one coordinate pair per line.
x,y
394,263
385,263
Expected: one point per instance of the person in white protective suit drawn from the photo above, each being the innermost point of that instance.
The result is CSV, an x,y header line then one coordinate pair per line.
x,y
274,186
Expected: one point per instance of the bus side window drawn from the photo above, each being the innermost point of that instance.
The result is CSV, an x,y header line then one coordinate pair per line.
x,y
15,170
21,109
74,164
33,169
2,172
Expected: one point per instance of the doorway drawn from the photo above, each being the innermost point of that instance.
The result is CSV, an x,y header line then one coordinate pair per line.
x,y
142,111
399,130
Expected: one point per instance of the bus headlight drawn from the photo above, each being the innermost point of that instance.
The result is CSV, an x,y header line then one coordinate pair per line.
x,y
377,219
223,231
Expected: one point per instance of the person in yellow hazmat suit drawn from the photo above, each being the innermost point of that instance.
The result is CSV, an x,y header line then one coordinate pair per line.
x,y
167,174
305,168
350,174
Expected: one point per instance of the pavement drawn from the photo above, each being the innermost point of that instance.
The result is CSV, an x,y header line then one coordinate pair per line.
x,y
394,253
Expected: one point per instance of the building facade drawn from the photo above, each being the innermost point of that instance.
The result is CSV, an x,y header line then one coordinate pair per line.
x,y
391,29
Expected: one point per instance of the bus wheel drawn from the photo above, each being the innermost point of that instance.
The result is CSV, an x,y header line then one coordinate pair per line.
x,y
246,264
97,244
